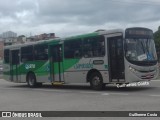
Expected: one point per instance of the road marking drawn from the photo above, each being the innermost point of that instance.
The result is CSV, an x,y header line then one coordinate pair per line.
x,y
77,91
119,93
105,94
48,90
34,89
155,80
114,94
62,91
154,95
90,92
14,89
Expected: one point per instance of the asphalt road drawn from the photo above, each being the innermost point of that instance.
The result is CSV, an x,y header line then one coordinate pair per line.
x,y
18,97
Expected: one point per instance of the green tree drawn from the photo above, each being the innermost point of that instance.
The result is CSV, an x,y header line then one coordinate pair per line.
x,y
157,42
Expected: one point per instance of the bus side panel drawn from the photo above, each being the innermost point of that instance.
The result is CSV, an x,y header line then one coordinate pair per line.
x,y
77,72
42,72
80,76
75,77
39,68
23,78
105,76
72,75
6,72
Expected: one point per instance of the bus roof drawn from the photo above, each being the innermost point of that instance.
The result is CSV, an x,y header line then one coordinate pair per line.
x,y
56,40
32,43
95,33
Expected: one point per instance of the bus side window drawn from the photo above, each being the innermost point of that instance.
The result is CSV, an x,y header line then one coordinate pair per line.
x,y
41,52
94,46
73,49
27,53
6,56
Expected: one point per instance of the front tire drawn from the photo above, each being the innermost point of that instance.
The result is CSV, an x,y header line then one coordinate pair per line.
x,y
31,80
96,81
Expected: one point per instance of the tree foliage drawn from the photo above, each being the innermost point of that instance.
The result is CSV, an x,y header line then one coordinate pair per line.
x,y
157,42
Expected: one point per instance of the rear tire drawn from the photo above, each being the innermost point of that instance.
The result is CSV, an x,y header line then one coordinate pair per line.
x,y
96,81
31,81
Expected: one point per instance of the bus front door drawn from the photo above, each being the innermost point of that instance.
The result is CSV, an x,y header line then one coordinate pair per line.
x,y
14,64
56,65
116,59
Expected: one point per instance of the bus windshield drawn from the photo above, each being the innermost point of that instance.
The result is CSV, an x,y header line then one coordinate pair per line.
x,y
140,50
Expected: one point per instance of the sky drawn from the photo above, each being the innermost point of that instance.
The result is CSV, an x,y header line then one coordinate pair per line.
x,y
72,17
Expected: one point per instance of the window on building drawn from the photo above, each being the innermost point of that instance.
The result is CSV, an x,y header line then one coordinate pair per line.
x,y
73,49
27,53
41,52
6,56
94,46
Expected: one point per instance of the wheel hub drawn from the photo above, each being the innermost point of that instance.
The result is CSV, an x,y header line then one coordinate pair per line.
x,y
96,80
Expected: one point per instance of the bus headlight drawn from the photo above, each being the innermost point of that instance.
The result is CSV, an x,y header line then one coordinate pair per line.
x,y
132,69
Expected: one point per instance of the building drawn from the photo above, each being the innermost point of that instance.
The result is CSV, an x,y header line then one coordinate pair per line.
x,y
10,41
30,39
9,37
21,39
43,36
9,34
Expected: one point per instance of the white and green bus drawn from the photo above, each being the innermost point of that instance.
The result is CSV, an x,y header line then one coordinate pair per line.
x,y
99,58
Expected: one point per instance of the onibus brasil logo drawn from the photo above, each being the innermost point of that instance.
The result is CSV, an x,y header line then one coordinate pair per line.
x,y
21,114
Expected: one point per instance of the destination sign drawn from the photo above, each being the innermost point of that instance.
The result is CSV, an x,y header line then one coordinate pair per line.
x,y
139,32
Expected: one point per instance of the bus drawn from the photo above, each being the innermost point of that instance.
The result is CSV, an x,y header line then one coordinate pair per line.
x,y
102,57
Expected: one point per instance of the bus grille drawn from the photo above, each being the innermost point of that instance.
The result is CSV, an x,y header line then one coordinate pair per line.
x,y
147,76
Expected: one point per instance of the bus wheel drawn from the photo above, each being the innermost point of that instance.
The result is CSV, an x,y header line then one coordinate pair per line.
x,y
96,81
31,80
39,84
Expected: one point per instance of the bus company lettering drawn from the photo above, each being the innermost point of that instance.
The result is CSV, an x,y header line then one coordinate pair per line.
x,y
30,66
83,65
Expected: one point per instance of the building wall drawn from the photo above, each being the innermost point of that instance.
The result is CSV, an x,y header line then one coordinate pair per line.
x,y
9,34
10,41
